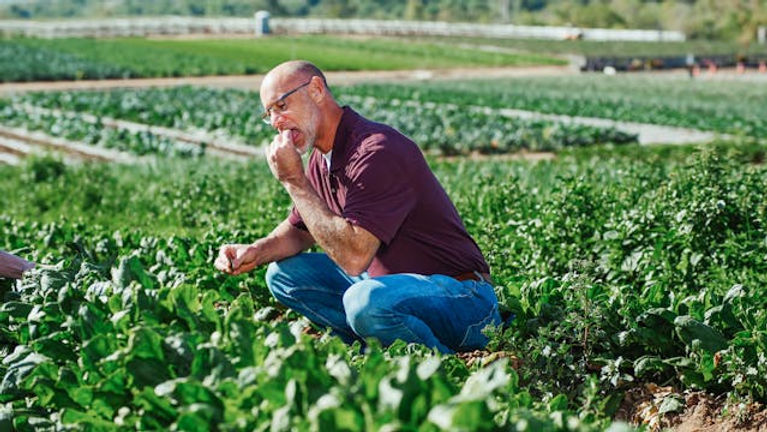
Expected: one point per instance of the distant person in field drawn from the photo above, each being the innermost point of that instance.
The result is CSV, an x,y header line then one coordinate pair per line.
x,y
397,262
12,266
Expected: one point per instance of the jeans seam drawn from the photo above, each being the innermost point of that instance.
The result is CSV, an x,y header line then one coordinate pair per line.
x,y
414,336
325,320
403,325
483,320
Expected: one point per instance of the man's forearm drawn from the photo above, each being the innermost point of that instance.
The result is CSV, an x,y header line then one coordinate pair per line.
x,y
332,232
284,241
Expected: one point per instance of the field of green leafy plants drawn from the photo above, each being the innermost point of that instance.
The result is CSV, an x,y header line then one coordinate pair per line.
x,y
27,59
731,107
623,265
446,129
698,47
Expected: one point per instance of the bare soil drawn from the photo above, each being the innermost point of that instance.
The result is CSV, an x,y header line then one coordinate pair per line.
x,y
484,358
701,412
71,150
253,82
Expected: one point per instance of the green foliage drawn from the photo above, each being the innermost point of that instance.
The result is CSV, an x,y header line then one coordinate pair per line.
x,y
451,130
729,107
142,351
619,269
19,62
73,127
621,264
439,129
696,47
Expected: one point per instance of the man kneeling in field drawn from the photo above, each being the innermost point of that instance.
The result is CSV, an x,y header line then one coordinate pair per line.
x,y
398,262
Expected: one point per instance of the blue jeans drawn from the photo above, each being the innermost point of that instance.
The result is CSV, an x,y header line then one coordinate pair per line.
x,y
437,311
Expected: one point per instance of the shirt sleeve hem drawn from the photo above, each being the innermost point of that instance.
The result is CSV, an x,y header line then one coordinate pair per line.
x,y
372,228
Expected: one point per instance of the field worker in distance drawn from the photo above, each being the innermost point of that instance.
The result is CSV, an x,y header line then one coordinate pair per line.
x,y
398,262
13,267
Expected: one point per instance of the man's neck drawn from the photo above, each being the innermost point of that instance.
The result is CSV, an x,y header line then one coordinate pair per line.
x,y
327,135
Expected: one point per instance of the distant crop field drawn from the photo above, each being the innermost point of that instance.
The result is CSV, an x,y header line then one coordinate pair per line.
x,y
731,107
602,48
444,129
68,59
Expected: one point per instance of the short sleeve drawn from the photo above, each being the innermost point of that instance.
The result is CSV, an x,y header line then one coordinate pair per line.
x,y
294,218
379,195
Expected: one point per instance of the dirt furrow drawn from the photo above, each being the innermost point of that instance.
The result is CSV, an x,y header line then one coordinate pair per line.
x,y
9,158
199,138
70,148
253,82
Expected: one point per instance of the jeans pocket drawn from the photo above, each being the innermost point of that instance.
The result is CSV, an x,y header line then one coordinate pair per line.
x,y
453,288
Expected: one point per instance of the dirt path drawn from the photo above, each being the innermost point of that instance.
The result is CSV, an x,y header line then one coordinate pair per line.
x,y
252,82
646,133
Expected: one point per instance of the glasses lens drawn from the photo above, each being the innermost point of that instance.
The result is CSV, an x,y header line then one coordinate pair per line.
x,y
280,104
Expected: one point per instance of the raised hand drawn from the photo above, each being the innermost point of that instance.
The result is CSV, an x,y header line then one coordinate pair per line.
x,y
284,158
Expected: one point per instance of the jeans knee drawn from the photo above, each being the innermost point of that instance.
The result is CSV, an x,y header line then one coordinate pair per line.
x,y
278,280
361,312
272,270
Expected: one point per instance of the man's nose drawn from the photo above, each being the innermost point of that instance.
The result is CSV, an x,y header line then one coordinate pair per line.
x,y
276,119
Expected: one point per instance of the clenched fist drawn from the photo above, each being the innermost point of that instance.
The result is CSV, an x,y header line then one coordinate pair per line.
x,y
284,158
235,259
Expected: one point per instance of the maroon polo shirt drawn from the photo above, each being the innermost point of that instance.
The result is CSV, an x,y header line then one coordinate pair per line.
x,y
380,181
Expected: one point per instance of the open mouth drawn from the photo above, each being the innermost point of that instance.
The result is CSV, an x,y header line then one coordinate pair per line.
x,y
294,135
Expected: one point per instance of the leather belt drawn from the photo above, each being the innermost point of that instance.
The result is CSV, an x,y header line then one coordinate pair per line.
x,y
475,276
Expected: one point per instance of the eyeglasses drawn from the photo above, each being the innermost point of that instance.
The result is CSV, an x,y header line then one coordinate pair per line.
x,y
280,105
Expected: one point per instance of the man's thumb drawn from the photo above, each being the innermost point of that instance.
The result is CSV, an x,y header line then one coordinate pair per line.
x,y
235,262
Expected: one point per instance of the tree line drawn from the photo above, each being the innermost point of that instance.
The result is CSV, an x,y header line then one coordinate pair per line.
x,y
699,19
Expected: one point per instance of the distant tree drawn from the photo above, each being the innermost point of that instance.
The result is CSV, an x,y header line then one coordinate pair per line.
x,y
338,8
17,11
726,19
414,10
381,9
699,19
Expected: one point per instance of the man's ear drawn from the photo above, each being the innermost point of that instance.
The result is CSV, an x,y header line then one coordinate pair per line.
x,y
317,90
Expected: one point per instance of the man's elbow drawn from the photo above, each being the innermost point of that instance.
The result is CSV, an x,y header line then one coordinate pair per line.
x,y
354,266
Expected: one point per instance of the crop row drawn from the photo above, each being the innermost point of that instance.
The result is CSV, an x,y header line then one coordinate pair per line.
x,y
731,107
28,63
620,269
452,130
699,47
441,129
72,127
232,112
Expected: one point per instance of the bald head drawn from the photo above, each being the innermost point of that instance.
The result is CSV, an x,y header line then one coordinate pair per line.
x,y
291,73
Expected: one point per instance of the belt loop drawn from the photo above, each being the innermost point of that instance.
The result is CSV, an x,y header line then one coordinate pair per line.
x,y
479,276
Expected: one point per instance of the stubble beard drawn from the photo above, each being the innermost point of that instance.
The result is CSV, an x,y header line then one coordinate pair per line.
x,y
310,135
